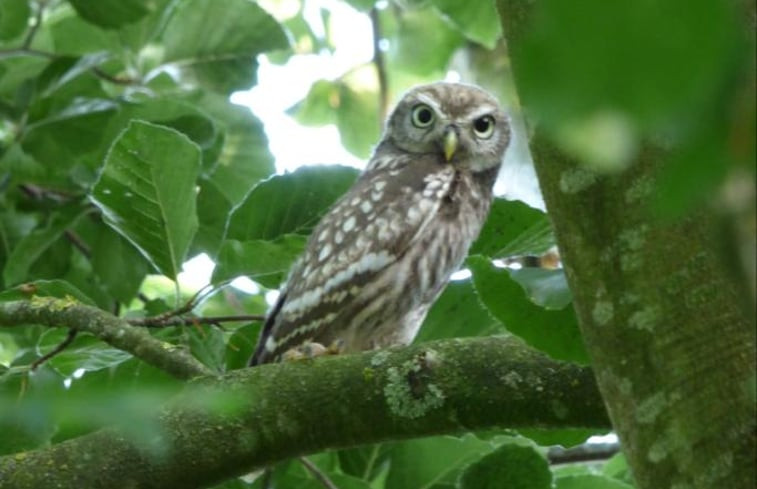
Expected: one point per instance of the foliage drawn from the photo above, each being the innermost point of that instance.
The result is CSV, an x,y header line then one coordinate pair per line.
x,y
121,157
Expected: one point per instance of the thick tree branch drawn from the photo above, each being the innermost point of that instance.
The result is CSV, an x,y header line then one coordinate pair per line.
x,y
112,330
279,411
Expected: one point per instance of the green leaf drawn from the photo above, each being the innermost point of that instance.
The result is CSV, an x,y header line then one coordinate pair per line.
x,y
617,468
547,288
241,345
424,463
357,119
208,345
514,229
16,70
477,19
512,465
663,62
112,13
362,5
85,352
289,204
319,106
458,313
553,332
266,262
219,44
118,265
147,192
45,288
590,481
28,249
14,18
423,43
72,36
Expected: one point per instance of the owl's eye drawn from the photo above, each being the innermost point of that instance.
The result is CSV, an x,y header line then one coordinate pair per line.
x,y
422,116
484,126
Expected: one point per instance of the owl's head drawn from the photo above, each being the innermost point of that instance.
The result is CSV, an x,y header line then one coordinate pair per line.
x,y
461,123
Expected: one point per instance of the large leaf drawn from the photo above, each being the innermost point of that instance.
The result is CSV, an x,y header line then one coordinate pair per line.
x,y
28,249
590,481
266,262
14,15
218,44
423,43
290,203
147,192
514,229
477,19
512,465
553,331
118,265
458,313
425,463
85,352
547,288
646,60
112,13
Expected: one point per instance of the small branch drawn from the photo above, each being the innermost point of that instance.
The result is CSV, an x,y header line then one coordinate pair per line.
x,y
61,346
318,474
113,79
35,26
582,453
378,61
162,322
78,243
112,330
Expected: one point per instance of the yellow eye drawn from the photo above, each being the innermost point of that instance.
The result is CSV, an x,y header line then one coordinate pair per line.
x,y
422,116
484,126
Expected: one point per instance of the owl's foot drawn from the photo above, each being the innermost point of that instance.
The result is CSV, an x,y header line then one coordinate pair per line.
x,y
311,349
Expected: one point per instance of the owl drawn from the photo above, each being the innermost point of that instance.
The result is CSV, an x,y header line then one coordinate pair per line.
x,y
380,257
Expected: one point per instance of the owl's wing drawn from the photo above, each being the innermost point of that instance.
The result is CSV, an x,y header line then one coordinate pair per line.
x,y
365,232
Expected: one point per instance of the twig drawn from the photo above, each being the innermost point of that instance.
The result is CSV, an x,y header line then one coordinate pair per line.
x,y
112,330
161,322
37,23
316,472
111,78
378,61
78,243
61,346
582,453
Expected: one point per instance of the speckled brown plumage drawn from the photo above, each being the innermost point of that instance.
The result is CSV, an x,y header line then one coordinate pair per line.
x,y
383,253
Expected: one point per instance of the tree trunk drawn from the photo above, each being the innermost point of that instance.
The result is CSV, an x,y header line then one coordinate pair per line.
x,y
668,327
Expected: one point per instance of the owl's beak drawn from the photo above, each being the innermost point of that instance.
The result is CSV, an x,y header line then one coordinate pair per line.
x,y
450,142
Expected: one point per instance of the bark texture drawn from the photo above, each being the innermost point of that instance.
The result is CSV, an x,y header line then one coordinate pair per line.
x,y
225,426
668,327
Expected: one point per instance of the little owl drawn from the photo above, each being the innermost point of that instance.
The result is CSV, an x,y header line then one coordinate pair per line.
x,y
380,257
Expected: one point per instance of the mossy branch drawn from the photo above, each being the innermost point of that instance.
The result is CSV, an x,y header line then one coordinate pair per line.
x,y
67,313
225,426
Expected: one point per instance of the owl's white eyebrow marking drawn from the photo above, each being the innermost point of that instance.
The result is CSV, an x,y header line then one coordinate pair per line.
x,y
428,101
481,110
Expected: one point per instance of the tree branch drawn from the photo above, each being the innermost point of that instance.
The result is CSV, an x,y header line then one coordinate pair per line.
x,y
112,330
274,412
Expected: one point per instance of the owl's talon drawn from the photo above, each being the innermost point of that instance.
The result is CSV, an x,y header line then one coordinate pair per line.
x,y
311,349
